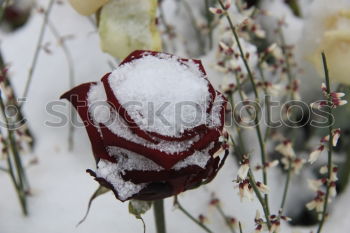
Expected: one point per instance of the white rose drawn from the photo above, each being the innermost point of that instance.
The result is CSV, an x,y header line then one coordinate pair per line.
x,y
328,29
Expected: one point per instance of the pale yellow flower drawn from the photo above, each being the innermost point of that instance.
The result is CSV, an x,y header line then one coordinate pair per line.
x,y
87,7
328,30
128,25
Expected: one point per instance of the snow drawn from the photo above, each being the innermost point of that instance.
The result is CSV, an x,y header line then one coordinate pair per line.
x,y
101,114
141,163
61,188
151,83
112,173
130,161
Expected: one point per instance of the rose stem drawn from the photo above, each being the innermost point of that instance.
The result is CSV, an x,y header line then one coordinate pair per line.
x,y
69,59
240,227
158,207
183,210
258,130
37,49
17,160
330,145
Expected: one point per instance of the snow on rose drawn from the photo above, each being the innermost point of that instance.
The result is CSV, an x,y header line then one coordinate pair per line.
x,y
143,156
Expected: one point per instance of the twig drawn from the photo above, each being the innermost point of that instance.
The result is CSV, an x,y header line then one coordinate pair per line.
x,y
209,22
286,186
330,145
251,77
21,176
251,177
183,210
70,64
37,49
223,215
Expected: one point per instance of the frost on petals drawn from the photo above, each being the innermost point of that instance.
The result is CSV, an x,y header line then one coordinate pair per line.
x,y
149,162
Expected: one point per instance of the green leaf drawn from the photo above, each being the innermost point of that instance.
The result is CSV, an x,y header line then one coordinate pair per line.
x,y
100,191
137,208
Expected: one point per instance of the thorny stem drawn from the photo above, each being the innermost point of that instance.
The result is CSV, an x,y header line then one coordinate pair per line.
x,y
69,59
183,210
227,221
158,207
330,145
37,49
20,185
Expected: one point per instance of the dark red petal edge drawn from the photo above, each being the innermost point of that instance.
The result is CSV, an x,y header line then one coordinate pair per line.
x,y
138,177
78,98
167,188
163,159
122,112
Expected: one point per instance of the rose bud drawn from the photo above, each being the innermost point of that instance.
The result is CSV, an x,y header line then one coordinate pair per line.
x,y
154,124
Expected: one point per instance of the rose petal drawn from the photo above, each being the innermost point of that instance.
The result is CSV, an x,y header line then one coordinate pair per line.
x,y
78,97
187,134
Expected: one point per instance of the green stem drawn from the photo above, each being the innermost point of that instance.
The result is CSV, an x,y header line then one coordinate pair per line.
x,y
227,221
21,176
286,186
183,210
159,217
260,198
240,227
242,151
330,145
209,21
265,201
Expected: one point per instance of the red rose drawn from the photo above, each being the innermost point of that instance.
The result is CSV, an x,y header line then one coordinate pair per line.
x,y
155,125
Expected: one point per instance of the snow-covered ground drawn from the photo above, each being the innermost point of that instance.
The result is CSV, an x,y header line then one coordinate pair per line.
x,y
60,186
